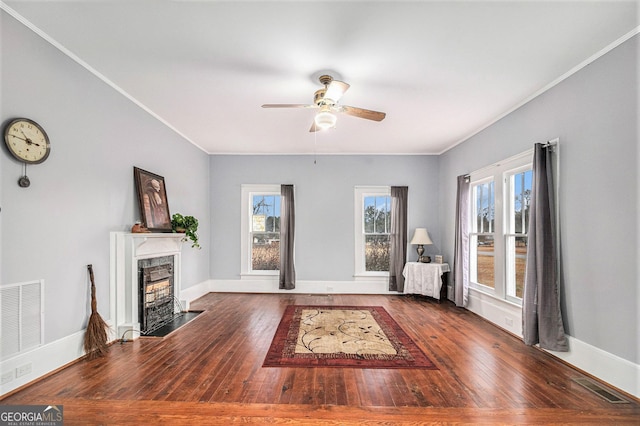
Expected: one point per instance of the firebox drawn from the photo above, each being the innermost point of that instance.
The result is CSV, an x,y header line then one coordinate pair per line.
x,y
156,299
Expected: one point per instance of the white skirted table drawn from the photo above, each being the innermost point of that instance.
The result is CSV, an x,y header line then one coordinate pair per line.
x,y
425,279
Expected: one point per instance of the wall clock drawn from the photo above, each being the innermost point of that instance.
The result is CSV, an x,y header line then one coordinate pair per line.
x,y
27,142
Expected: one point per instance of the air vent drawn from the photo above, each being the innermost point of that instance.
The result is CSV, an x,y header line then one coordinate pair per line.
x,y
601,391
22,317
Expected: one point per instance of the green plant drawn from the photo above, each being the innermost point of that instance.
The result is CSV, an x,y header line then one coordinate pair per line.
x,y
188,225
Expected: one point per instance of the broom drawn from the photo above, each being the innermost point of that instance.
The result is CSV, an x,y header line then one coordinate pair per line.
x,y
95,338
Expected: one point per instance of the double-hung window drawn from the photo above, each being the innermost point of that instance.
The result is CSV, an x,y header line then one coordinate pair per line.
x,y
482,235
500,198
260,229
372,230
518,199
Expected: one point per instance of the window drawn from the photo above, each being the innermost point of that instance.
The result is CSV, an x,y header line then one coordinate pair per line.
x,y
265,232
482,237
373,230
261,229
500,196
518,200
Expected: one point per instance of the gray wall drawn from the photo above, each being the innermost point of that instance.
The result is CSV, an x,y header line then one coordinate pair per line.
x,y
595,115
324,205
85,189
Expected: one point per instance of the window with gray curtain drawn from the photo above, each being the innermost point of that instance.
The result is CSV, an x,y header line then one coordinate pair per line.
x,y
491,237
398,243
541,314
287,279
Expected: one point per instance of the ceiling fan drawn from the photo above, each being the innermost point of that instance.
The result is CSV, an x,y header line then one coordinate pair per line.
x,y
326,100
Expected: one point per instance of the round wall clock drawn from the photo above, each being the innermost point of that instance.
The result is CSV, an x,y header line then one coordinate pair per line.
x,y
27,141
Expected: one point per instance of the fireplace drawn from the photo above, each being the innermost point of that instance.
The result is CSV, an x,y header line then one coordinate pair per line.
x,y
156,258
156,305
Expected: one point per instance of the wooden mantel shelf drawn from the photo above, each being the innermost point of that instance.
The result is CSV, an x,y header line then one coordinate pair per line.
x,y
154,244
155,234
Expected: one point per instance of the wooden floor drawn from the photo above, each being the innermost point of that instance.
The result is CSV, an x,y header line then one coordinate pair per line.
x,y
210,372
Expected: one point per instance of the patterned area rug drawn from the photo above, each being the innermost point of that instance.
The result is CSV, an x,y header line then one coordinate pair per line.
x,y
342,336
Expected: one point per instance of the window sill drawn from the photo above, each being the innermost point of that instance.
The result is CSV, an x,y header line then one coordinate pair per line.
x,y
494,296
371,277
260,275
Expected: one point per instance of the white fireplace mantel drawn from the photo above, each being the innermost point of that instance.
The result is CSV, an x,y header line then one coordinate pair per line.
x,y
126,250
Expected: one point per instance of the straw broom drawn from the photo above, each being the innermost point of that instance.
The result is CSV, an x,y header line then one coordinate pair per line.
x,y
95,338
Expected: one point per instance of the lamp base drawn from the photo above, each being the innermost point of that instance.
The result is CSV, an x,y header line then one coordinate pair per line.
x,y
424,259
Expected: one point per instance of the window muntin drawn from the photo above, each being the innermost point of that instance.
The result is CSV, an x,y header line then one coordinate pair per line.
x,y
372,226
265,232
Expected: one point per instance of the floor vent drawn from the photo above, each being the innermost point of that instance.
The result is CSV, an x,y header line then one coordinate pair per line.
x,y
601,391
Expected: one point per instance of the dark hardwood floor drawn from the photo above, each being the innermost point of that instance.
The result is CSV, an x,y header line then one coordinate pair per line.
x,y
210,372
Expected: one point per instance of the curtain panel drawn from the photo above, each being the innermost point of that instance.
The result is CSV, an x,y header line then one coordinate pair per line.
x,y
461,250
287,279
398,243
541,314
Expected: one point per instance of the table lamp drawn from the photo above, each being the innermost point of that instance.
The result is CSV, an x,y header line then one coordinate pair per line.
x,y
421,237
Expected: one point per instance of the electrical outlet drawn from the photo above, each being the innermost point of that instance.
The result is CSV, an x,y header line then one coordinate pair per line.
x,y
6,377
329,288
508,321
23,369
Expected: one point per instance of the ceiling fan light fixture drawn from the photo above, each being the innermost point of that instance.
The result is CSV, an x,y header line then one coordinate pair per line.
x,y
325,119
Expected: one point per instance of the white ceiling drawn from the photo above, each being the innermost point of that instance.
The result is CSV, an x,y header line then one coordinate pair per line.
x,y
442,71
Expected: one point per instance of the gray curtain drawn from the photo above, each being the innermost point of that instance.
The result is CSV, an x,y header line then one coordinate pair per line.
x,y
398,243
541,315
287,238
461,251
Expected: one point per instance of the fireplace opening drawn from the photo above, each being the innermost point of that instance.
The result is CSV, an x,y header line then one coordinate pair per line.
x,y
157,302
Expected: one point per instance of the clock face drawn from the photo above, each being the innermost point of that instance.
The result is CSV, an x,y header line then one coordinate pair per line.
x,y
27,141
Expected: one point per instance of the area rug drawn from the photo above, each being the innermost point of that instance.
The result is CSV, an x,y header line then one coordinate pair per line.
x,y
343,336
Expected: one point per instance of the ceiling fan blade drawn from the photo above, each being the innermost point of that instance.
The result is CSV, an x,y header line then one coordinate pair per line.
x,y
288,106
314,128
363,113
335,90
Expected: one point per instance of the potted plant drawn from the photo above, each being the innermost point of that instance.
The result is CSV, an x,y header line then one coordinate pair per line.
x,y
187,225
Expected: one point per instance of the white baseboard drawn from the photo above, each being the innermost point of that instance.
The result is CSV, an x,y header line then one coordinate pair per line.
x,y
270,285
194,292
618,372
502,313
41,360
623,374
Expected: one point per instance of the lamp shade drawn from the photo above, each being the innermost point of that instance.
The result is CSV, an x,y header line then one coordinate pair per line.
x,y
325,119
421,236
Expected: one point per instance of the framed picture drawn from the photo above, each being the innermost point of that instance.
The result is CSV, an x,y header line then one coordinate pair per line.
x,y
152,196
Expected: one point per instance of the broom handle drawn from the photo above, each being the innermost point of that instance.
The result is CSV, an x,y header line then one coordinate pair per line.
x,y
94,303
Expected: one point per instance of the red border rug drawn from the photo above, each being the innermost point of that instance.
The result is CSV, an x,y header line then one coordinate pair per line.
x,y
283,353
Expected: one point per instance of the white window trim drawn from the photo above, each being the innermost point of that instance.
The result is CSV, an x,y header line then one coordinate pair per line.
x,y
499,173
359,268
247,191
